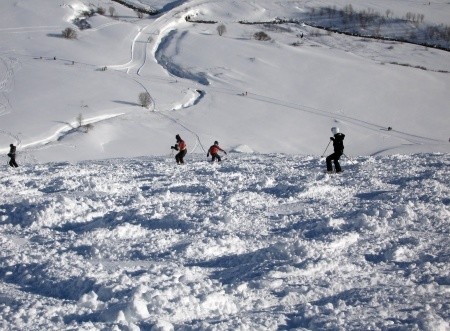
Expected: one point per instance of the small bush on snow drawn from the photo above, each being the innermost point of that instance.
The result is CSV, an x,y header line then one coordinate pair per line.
x,y
221,29
69,33
101,11
145,99
261,36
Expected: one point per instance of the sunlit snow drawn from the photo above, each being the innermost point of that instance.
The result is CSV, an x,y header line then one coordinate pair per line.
x,y
100,229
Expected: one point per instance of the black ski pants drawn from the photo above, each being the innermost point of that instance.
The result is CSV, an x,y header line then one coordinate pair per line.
x,y
13,162
180,156
335,158
216,156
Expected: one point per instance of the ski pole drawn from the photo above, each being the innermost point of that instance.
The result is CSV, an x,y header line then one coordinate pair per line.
x,y
323,154
350,159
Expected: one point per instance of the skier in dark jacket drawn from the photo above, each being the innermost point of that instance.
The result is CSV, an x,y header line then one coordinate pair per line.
x,y
12,155
214,151
338,144
180,146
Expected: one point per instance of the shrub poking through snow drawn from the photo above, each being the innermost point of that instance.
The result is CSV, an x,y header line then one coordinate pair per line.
x,y
69,33
221,29
81,126
145,99
101,11
261,35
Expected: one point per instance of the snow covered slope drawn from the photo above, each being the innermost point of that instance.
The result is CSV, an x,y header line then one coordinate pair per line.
x,y
260,242
101,230
296,88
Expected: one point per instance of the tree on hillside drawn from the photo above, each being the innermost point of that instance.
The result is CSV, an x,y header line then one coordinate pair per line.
x,y
69,33
112,11
101,11
145,99
221,29
85,127
261,36
80,120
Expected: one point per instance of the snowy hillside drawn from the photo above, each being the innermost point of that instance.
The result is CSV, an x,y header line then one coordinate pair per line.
x,y
260,242
101,230
297,87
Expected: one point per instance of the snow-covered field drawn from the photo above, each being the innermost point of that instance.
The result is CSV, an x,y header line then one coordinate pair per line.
x,y
101,230
297,88
260,242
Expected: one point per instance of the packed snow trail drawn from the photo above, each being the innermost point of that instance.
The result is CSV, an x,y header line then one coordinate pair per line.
x,y
165,27
258,242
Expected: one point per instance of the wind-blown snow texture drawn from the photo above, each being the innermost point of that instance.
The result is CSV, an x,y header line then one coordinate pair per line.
x,y
101,230
260,242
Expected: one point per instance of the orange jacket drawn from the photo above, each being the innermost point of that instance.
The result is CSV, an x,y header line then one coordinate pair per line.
x,y
181,145
214,149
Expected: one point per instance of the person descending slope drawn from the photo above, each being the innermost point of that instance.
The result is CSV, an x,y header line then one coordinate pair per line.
x,y
180,146
338,144
12,155
214,151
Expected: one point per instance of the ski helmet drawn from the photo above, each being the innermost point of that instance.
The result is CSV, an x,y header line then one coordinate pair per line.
x,y
216,143
334,130
177,137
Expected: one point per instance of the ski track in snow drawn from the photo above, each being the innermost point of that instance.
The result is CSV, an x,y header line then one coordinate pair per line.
x,y
165,26
28,29
69,128
7,67
138,59
258,242
412,139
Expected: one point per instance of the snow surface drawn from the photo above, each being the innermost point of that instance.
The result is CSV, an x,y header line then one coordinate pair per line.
x,y
260,242
297,88
101,230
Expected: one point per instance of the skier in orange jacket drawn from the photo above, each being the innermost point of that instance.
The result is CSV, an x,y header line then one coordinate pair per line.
x,y
180,146
214,151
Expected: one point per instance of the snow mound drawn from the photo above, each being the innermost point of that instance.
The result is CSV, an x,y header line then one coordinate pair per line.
x,y
242,149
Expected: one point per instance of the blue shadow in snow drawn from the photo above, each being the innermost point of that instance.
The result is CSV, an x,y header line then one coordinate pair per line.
x,y
283,190
317,229
167,62
375,195
42,283
113,219
248,267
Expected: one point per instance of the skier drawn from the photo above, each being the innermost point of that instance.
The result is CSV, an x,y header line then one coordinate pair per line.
x,y
214,151
338,144
180,146
12,155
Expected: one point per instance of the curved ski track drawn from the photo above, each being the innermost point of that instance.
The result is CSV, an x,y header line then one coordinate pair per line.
x,y
139,58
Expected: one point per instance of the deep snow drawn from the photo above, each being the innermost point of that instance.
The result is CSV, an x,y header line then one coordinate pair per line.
x,y
101,230
297,88
259,242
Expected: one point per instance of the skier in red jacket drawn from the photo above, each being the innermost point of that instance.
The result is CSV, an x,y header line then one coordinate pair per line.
x,y
214,151
180,146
